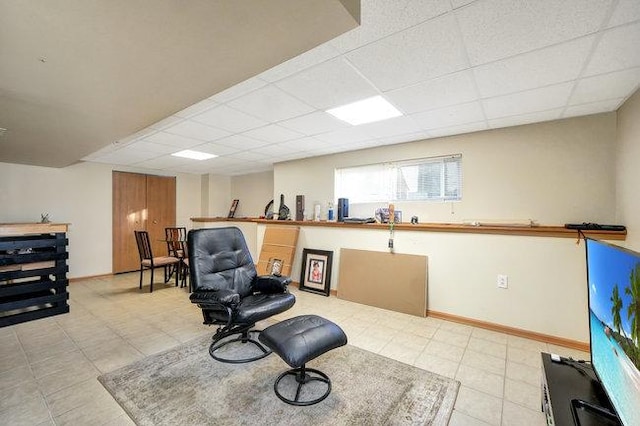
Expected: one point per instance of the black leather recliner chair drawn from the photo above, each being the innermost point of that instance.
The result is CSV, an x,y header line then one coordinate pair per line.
x,y
228,290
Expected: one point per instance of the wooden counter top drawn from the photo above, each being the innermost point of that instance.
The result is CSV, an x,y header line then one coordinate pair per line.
x,y
531,231
11,229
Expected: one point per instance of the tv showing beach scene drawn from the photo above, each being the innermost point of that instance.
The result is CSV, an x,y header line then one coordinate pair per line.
x,y
614,319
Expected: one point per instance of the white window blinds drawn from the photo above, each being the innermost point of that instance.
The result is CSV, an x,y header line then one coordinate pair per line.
x,y
425,179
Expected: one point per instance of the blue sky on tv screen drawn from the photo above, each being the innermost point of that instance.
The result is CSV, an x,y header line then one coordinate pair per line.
x,y
607,266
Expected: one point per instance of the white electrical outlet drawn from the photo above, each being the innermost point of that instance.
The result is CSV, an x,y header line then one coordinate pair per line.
x,y
503,281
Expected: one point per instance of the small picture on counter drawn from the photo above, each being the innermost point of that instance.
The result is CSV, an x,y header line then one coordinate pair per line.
x,y
275,267
316,271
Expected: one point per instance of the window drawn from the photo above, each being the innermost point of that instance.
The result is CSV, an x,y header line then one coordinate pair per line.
x,y
425,179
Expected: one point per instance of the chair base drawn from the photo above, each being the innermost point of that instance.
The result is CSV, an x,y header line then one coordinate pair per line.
x,y
244,337
303,377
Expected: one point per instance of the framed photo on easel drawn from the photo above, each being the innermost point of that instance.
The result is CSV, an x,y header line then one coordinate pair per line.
x,y
316,271
232,210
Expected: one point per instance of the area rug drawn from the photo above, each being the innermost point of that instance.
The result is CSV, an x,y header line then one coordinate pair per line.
x,y
185,386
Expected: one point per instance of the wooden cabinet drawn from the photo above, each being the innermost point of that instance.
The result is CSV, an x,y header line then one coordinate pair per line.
x,y
33,271
140,203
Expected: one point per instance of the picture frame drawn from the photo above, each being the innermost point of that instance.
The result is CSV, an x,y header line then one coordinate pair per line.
x,y
232,210
315,275
275,266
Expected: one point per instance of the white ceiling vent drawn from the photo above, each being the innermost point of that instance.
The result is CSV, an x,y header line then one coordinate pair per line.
x,y
2,131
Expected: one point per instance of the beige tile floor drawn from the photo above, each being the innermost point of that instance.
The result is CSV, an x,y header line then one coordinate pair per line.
x,y
48,367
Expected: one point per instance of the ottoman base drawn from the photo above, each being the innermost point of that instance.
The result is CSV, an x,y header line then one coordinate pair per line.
x,y
303,376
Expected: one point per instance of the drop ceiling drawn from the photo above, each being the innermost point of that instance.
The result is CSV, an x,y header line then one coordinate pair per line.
x,y
76,76
451,67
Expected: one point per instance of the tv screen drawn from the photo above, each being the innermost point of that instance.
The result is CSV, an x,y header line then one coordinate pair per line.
x,y
613,275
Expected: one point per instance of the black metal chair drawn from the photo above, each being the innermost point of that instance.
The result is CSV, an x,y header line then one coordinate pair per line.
x,y
148,261
230,293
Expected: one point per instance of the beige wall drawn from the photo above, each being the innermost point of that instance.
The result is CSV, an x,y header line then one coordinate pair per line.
x,y
79,195
551,172
219,196
254,192
628,170
555,172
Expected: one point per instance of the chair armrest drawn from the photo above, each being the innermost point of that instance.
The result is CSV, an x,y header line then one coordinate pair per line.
x,y
226,298
271,284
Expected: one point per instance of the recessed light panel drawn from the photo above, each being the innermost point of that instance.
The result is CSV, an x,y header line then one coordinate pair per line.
x,y
365,111
194,155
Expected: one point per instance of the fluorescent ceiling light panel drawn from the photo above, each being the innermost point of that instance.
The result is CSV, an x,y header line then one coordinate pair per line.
x,y
365,111
194,155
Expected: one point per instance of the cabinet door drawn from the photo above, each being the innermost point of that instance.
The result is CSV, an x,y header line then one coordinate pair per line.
x,y
161,210
129,214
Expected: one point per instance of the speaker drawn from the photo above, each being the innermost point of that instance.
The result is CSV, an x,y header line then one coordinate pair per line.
x,y
343,209
299,208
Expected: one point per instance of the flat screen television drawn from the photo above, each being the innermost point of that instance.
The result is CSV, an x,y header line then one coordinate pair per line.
x,y
613,276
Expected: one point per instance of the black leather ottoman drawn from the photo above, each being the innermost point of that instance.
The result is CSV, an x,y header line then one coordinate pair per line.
x,y
299,340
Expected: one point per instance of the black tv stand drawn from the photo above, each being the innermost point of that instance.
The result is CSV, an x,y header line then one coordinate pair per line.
x,y
572,395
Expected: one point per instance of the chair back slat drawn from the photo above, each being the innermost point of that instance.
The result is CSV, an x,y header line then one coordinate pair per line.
x,y
176,238
144,245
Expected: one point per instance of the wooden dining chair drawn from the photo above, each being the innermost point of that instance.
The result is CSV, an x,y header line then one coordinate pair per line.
x,y
176,238
148,261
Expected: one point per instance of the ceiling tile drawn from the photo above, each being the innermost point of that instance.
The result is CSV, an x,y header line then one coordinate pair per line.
x,y
238,90
350,134
381,18
164,162
330,84
606,86
410,137
196,108
138,135
167,122
314,123
451,89
275,150
626,11
229,119
217,149
315,56
241,142
112,147
457,130
423,52
247,156
549,97
150,147
123,156
303,144
273,133
618,49
390,127
449,116
195,130
225,161
593,108
271,104
177,141
517,120
541,67
496,29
